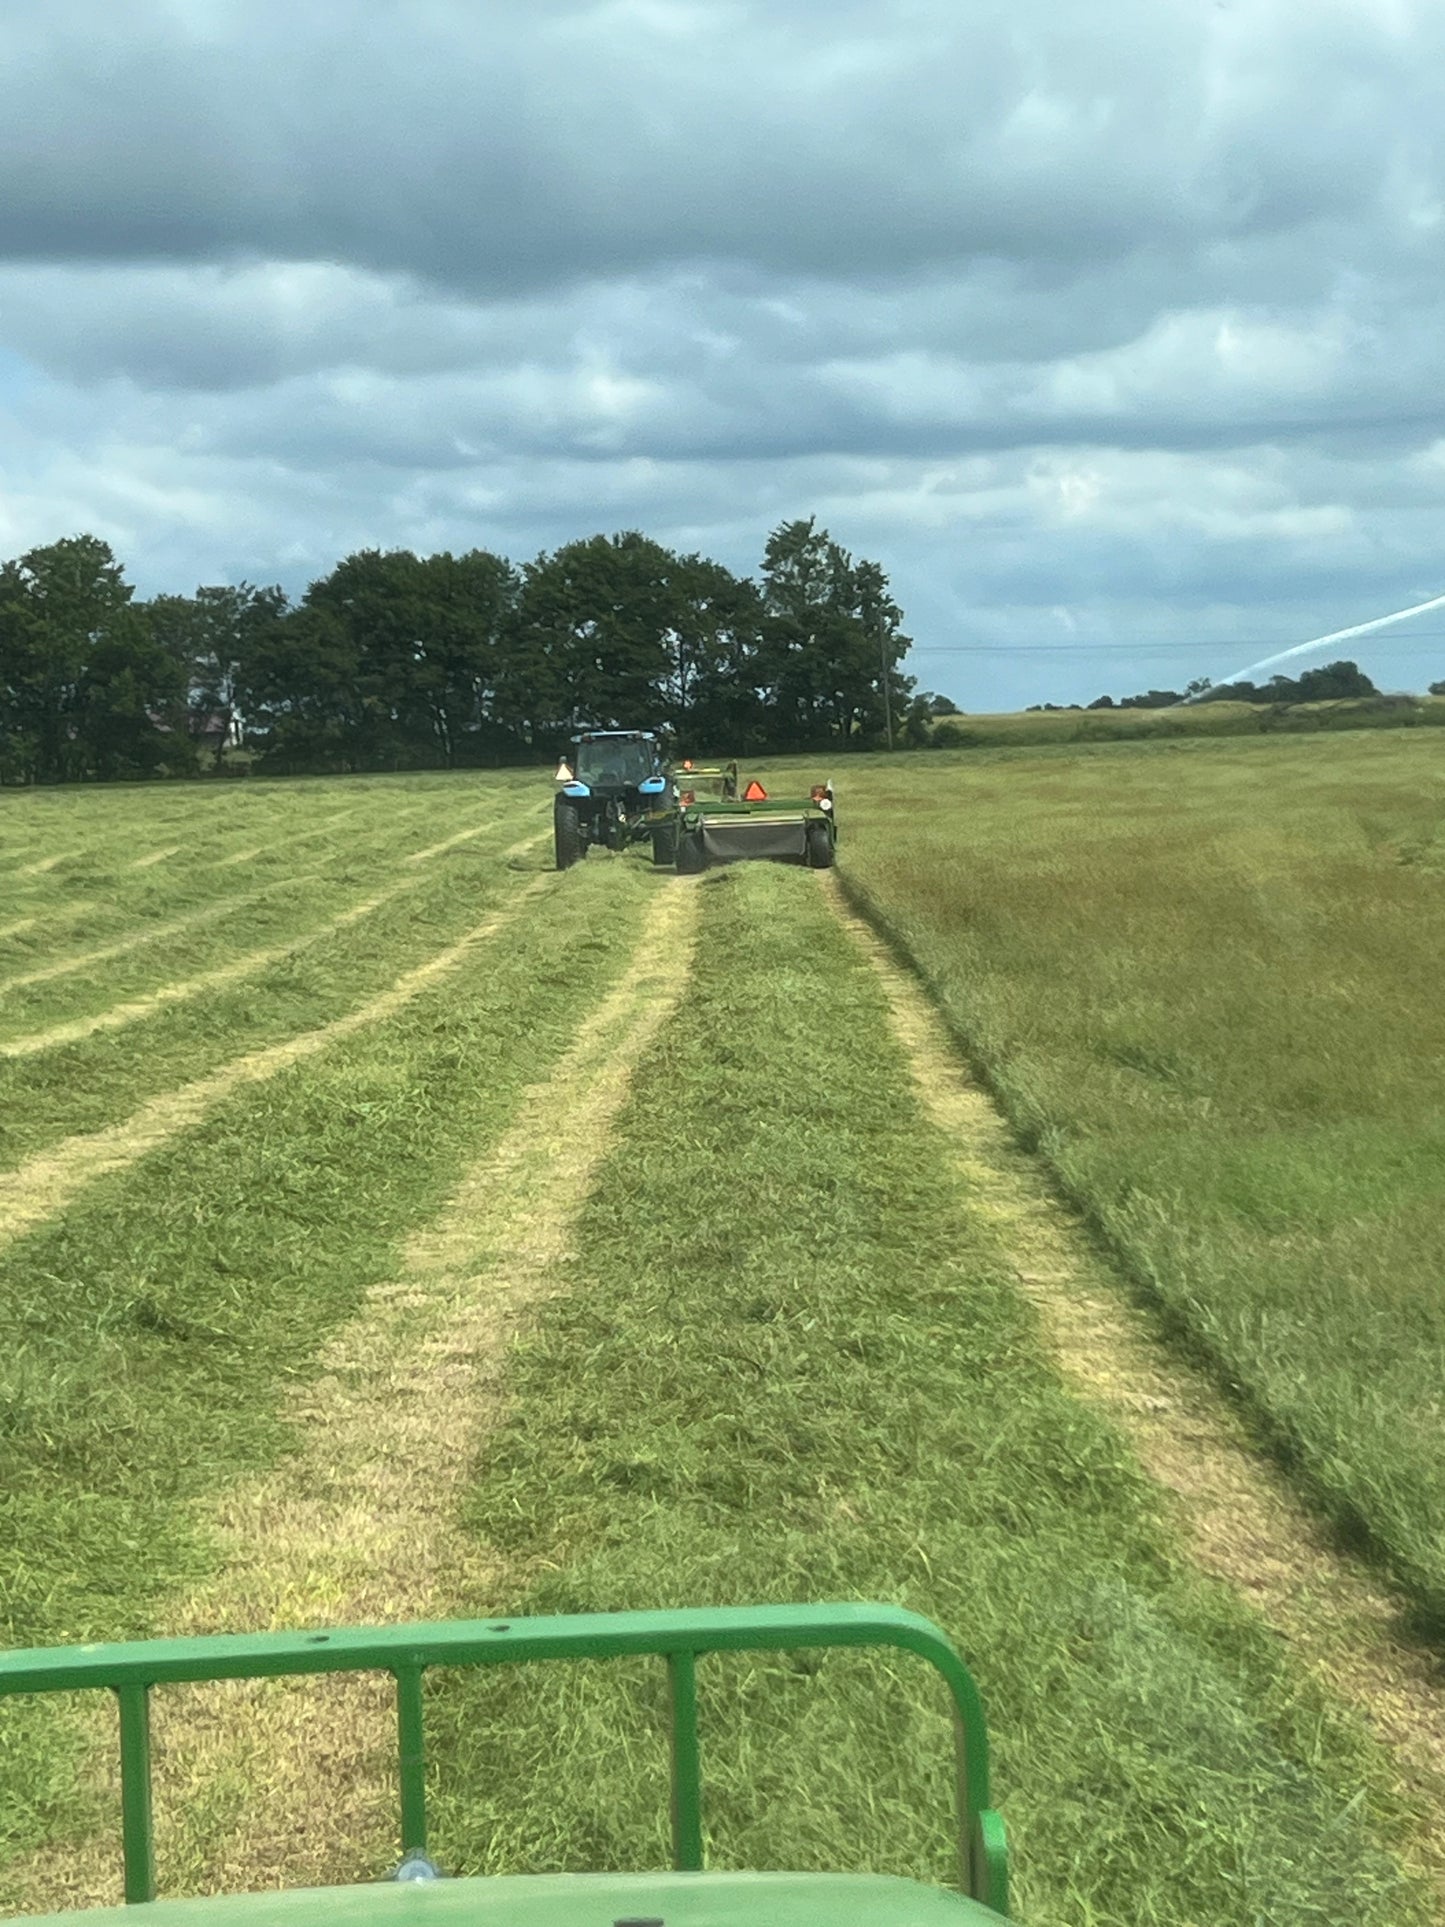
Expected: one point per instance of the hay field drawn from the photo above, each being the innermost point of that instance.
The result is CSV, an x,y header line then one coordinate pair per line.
x,y
1204,980
393,1227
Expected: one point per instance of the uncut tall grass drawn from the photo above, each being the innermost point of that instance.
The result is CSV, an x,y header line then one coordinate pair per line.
x,y
1205,979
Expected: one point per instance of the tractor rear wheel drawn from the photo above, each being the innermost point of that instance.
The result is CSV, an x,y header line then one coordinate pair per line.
x,y
819,855
664,846
567,833
691,854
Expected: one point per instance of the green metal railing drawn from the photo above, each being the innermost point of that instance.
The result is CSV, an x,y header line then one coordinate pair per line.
x,y
406,1652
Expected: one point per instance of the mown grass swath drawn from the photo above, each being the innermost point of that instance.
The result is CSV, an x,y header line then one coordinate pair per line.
x,y
100,1079
148,1338
789,1363
83,981
95,898
1204,979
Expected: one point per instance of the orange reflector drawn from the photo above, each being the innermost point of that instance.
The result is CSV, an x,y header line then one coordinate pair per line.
x,y
687,762
688,797
755,793
818,792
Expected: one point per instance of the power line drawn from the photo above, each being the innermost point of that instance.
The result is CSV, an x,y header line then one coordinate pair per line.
x,y
1418,646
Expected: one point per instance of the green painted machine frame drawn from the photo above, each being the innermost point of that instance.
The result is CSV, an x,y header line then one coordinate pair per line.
x,y
802,807
680,1638
721,779
733,829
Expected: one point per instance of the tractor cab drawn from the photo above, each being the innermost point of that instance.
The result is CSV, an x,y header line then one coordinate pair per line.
x,y
616,761
614,788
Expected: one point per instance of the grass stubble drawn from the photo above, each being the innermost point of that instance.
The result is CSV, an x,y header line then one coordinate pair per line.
x,y
358,1522
171,1289
1235,1512
103,1052
794,1363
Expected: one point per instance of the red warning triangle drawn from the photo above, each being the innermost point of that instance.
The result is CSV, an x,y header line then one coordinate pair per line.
x,y
755,793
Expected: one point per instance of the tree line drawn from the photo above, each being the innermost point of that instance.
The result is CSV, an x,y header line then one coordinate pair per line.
x,y
1334,682
395,660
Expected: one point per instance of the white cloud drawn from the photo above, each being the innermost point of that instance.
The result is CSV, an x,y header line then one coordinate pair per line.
x,y
1135,319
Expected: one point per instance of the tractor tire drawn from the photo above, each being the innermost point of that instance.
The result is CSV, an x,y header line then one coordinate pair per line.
x,y
819,841
664,846
691,854
567,833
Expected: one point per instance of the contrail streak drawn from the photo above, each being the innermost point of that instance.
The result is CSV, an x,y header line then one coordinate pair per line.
x,y
1336,635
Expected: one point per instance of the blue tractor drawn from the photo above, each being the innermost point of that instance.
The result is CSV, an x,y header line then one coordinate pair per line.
x,y
614,788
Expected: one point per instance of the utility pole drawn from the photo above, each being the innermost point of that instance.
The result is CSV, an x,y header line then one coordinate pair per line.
x,y
884,677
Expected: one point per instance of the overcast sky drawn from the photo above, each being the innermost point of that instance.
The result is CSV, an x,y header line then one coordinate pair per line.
x,y
1116,333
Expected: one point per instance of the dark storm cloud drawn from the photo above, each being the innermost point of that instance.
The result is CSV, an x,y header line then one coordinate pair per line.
x,y
520,146
1088,327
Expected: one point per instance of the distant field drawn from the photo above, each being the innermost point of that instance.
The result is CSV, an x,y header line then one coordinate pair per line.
x,y
392,1227
1205,978
1024,728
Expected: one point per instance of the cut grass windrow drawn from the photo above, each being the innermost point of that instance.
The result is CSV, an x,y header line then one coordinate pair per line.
x,y
358,1524
151,933
136,1009
299,824
44,1185
131,916
189,1297
115,1016
76,1089
793,1363
450,842
324,827
1236,1513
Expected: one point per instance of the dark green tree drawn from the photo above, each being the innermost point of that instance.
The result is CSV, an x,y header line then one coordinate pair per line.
x,y
372,609
82,685
1236,692
922,710
131,717
710,697
1151,699
875,679
596,634
1335,682
302,689
213,636
831,640
466,623
394,660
